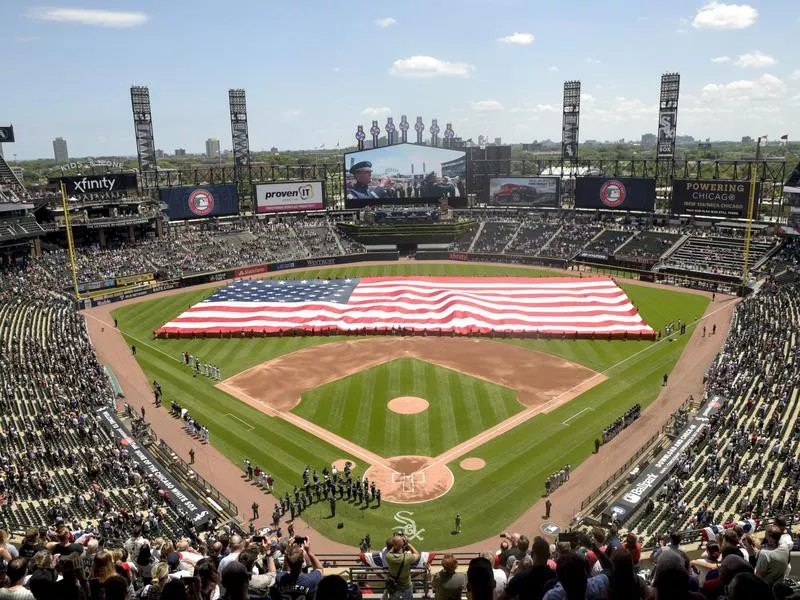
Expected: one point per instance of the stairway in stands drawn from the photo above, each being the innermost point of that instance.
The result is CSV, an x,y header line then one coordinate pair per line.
x,y
9,180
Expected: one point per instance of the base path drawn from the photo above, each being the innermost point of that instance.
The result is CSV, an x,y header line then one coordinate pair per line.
x,y
543,382
686,378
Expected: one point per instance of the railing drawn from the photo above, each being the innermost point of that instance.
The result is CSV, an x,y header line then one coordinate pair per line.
x,y
191,475
619,472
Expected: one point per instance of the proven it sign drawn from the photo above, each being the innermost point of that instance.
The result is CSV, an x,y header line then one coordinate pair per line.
x,y
288,196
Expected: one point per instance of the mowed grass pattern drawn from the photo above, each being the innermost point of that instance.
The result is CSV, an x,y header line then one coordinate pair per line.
x,y
461,407
517,462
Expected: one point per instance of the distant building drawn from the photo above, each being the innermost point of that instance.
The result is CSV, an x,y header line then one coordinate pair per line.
x,y
748,140
159,153
180,152
274,149
60,150
649,139
212,147
498,141
685,139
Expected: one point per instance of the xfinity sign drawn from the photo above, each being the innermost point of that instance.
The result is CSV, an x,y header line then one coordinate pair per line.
x,y
288,196
99,184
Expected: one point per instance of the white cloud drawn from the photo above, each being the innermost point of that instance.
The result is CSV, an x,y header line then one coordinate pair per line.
x,y
592,61
587,99
764,88
428,66
717,15
796,98
537,108
101,18
681,31
487,105
522,39
795,74
754,60
553,69
721,59
376,111
386,22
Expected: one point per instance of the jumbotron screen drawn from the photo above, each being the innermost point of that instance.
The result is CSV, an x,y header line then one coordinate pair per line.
x,y
405,174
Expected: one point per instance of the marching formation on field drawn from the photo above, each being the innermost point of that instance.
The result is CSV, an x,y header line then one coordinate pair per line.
x,y
329,485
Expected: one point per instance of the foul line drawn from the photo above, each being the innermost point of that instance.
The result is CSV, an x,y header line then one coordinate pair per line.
x,y
580,412
240,420
458,451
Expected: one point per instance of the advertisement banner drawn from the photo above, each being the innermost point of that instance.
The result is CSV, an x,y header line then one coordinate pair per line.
x,y
183,500
109,183
288,196
713,197
616,193
651,478
201,201
405,174
253,270
525,191
667,127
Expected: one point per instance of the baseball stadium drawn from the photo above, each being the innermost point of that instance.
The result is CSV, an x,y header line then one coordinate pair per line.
x,y
414,366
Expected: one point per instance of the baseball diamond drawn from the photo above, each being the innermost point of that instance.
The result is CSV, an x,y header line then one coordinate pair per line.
x,y
300,396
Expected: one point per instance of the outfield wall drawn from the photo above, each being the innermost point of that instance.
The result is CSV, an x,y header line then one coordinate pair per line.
x,y
200,278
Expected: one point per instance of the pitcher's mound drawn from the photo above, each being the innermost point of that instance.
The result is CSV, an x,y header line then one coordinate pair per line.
x,y
472,464
407,405
411,479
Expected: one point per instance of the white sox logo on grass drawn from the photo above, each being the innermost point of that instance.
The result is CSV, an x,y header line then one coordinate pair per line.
x,y
201,202
410,529
612,193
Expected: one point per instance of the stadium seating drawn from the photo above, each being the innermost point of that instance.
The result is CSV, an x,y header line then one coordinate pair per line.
x,y
717,255
648,245
571,238
746,464
533,235
59,463
607,242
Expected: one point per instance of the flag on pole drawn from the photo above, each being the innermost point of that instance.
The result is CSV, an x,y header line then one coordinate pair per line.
x,y
784,139
460,305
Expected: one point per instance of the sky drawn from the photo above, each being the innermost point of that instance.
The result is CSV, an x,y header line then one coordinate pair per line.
x,y
315,69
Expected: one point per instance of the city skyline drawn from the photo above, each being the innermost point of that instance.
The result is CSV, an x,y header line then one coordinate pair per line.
x,y
491,67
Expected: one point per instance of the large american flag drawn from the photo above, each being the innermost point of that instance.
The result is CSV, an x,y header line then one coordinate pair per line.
x,y
462,305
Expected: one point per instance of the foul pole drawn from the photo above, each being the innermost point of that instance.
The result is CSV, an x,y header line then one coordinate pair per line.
x,y
70,243
750,209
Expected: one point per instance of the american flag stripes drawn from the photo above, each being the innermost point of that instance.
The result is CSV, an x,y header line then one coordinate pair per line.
x,y
461,305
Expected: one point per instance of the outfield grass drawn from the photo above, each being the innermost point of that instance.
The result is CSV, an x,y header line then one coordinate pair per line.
x,y
460,408
517,463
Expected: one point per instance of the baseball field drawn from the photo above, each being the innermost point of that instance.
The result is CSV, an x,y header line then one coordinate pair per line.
x,y
413,410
